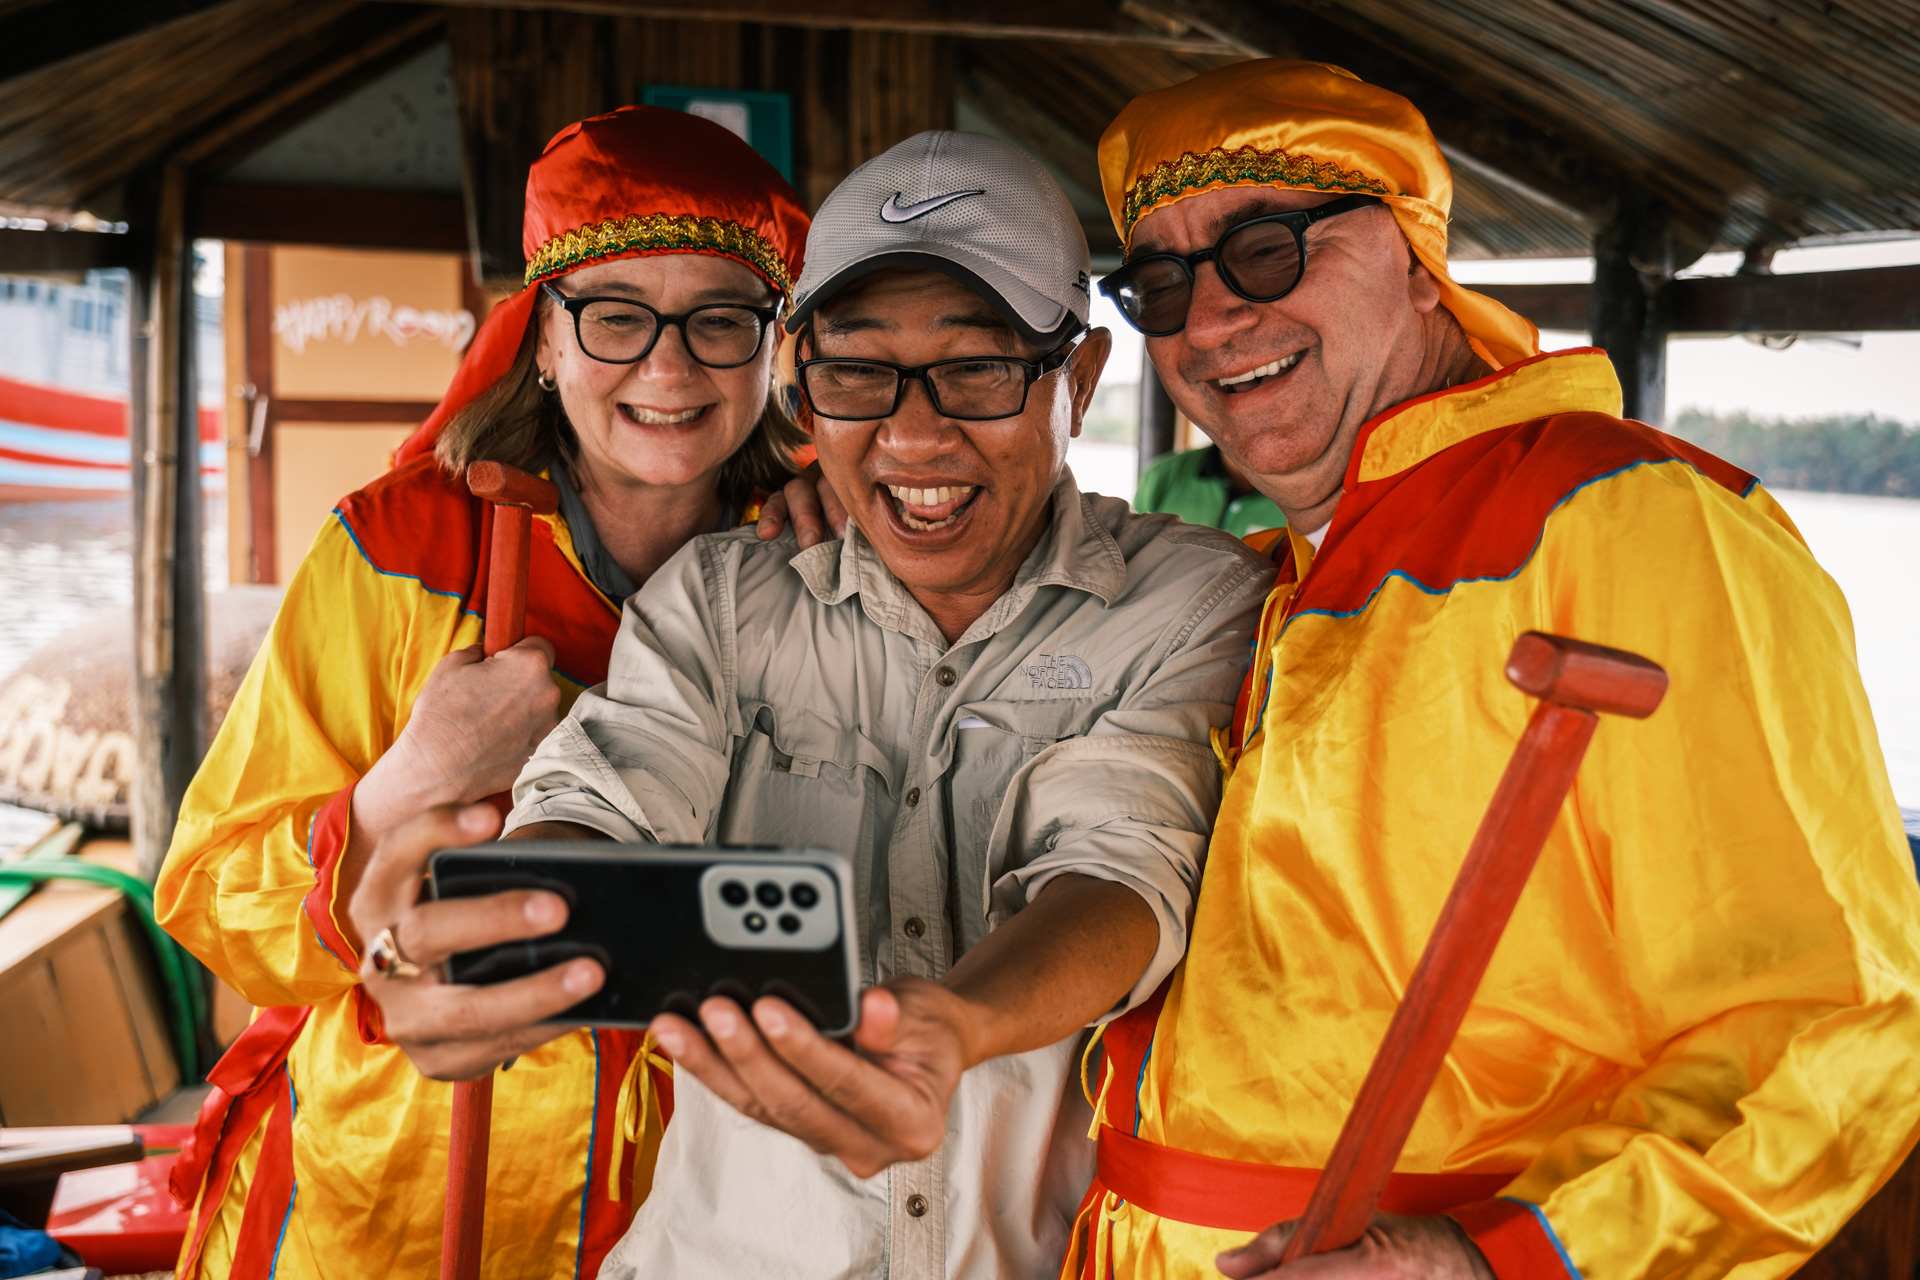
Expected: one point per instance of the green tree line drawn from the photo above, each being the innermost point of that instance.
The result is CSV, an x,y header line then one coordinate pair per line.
x,y
1832,455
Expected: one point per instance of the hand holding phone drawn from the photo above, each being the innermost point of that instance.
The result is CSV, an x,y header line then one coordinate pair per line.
x,y
453,1031
671,926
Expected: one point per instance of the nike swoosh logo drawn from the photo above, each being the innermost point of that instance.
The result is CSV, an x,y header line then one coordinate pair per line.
x,y
894,211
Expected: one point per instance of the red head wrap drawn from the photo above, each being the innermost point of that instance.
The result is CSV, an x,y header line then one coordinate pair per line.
x,y
629,184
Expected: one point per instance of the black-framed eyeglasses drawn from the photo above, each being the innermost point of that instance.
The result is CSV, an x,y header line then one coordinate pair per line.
x,y
968,388
1261,259
720,335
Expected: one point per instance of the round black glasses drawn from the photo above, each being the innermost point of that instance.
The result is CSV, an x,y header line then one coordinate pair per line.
x,y
969,389
720,335
1261,259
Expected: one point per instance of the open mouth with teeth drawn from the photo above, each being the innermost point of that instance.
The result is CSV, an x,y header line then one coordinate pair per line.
x,y
641,416
1252,378
927,510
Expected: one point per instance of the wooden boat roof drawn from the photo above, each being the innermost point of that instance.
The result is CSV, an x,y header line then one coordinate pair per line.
x,y
1757,122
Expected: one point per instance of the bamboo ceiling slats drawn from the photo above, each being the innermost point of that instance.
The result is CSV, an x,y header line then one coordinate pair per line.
x,y
1762,120
71,130
1084,89
1758,121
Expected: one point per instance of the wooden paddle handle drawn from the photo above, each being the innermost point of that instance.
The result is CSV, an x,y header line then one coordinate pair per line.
x,y
516,496
1574,680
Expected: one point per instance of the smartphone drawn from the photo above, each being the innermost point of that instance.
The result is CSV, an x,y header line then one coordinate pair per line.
x,y
672,925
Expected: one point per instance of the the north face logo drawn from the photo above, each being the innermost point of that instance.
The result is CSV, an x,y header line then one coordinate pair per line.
x,y
1059,671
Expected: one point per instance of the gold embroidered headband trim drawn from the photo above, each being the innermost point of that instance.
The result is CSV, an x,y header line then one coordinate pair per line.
x,y
669,232
1247,165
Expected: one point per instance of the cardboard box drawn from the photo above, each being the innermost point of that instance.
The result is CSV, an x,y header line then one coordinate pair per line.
x,y
85,1027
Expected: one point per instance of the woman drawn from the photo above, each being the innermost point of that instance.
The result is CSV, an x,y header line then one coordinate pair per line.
x,y
634,371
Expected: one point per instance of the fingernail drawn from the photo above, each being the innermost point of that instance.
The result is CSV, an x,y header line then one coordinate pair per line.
x,y
721,1021
772,1019
668,1040
475,818
545,910
580,979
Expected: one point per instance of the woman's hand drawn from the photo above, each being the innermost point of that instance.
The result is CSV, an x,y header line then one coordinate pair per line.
x,y
452,1031
1393,1248
474,725
813,506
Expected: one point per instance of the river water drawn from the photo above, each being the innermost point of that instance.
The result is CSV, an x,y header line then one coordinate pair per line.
x,y
63,561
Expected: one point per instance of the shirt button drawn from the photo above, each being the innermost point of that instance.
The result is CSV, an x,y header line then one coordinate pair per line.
x,y
913,928
944,675
917,1205
913,797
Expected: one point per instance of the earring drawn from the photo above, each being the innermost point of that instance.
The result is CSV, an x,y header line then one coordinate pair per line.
x,y
546,382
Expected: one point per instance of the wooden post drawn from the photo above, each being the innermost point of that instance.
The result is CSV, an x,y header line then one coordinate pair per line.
x,y
1630,307
169,604
1156,415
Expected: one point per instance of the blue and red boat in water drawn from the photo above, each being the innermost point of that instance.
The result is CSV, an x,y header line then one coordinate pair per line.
x,y
58,444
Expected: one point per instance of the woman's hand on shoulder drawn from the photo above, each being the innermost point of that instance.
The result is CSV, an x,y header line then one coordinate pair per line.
x,y
809,501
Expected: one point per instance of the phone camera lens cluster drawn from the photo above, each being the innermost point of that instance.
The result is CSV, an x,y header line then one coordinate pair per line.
x,y
733,893
770,894
804,895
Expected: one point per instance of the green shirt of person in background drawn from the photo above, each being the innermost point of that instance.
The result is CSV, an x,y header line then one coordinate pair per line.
x,y
1202,487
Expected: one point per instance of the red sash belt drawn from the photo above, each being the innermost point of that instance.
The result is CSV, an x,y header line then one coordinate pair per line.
x,y
1235,1195
249,1082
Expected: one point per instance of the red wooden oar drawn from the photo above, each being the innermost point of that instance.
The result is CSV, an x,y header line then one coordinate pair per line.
x,y
516,496
1573,680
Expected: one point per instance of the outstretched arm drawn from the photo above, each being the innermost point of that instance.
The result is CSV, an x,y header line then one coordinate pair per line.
x,y
1067,959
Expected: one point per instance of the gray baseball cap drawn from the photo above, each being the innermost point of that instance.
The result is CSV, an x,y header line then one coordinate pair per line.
x,y
965,204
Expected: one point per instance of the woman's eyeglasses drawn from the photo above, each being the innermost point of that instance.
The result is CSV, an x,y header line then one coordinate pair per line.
x,y
720,335
970,389
1261,259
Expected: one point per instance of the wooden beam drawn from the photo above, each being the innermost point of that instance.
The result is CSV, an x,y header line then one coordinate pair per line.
x,y
29,253
1082,21
1551,306
352,410
168,597
1870,300
427,221
38,35
1629,309
1157,417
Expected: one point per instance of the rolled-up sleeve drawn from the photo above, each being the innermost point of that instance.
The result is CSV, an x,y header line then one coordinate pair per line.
x,y
1134,800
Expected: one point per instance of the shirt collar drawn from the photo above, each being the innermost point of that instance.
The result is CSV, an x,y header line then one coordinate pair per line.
x,y
596,562
1076,551
1410,433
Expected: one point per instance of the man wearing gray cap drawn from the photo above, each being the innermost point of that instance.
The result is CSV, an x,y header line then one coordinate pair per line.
x,y
995,694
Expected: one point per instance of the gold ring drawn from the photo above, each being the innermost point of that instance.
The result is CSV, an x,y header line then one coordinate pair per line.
x,y
387,959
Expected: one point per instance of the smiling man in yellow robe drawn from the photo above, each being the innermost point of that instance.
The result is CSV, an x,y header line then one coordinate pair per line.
x,y
1694,1052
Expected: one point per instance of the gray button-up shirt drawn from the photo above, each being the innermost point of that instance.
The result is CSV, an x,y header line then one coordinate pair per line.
x,y
758,694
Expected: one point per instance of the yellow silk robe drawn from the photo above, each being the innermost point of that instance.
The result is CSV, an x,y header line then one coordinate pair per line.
x,y
1695,1051
323,1152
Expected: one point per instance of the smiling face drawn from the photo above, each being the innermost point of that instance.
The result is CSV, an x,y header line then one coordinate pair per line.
x,y
666,420
952,507
1284,387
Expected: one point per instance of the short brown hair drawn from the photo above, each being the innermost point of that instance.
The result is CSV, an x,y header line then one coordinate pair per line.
x,y
517,422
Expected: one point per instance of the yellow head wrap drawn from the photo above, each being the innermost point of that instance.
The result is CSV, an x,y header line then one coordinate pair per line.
x,y
1309,127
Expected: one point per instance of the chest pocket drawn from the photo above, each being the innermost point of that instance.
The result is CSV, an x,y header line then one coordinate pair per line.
x,y
998,740
799,779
